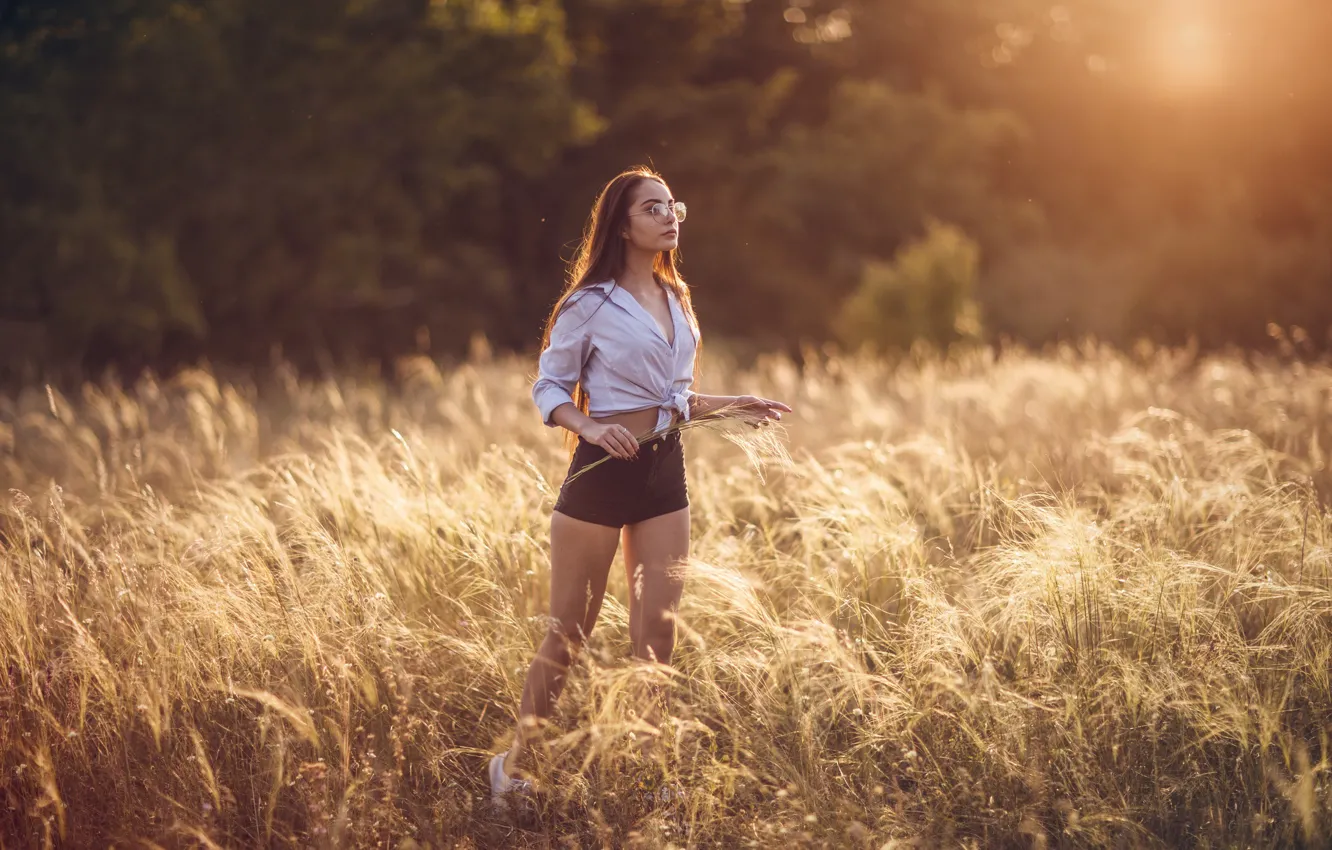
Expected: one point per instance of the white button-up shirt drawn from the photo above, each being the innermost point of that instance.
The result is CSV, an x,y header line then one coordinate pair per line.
x,y
610,343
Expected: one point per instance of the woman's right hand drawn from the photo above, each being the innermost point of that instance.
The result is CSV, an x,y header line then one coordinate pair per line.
x,y
617,440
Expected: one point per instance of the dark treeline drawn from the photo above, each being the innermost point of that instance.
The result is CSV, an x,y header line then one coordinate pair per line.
x,y
347,178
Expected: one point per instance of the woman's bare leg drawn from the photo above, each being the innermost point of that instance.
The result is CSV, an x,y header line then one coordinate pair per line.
x,y
655,551
580,558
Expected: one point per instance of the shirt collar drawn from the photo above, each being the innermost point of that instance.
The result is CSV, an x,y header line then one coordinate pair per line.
x,y
621,296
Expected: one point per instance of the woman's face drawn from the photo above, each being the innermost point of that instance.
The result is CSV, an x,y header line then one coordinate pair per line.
x,y
646,231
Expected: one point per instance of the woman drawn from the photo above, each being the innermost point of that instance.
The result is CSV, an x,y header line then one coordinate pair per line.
x,y
618,358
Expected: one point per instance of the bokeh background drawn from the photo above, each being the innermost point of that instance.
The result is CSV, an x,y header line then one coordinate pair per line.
x,y
1072,591
353,180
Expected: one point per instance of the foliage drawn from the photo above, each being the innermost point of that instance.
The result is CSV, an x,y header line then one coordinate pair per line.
x,y
237,165
346,177
926,293
821,204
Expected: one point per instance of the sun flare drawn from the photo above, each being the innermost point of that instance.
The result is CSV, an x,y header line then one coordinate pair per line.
x,y
1188,56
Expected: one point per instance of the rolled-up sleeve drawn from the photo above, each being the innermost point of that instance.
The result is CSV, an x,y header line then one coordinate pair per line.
x,y
561,364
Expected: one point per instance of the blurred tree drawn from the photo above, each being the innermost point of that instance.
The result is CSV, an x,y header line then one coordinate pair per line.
x,y
853,188
926,293
326,173
1220,279
214,176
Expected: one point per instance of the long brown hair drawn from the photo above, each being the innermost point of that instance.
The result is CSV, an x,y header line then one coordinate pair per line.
x,y
601,256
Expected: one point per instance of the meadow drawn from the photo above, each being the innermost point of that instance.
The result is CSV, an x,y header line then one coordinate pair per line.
x,y
1001,598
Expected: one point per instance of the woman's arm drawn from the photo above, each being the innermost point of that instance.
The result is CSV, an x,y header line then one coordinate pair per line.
x,y
569,417
616,439
561,363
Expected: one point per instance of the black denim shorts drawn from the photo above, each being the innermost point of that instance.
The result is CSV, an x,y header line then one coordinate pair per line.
x,y
621,492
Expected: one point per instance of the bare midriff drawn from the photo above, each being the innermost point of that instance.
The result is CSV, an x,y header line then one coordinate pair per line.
x,y
639,422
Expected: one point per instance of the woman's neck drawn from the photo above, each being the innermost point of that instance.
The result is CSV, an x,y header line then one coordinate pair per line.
x,y
638,273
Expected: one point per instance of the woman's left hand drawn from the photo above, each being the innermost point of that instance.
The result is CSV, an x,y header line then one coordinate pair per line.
x,y
757,410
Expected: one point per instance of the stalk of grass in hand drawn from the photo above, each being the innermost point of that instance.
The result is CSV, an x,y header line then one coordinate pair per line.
x,y
762,445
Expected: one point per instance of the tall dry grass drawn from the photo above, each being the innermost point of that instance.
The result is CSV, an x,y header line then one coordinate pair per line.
x,y
1081,598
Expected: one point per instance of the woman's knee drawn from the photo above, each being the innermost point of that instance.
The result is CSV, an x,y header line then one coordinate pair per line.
x,y
565,637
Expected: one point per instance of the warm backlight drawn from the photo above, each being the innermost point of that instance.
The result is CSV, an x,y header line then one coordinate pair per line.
x,y
1188,56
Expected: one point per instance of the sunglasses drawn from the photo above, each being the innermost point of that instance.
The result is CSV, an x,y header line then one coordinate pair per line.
x,y
662,212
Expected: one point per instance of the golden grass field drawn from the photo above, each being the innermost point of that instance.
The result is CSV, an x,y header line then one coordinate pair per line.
x,y
1081,598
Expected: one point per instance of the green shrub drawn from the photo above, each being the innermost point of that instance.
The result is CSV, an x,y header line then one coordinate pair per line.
x,y
927,292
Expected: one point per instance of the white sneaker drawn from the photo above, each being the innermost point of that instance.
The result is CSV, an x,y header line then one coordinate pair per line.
x,y
672,792
667,793
503,786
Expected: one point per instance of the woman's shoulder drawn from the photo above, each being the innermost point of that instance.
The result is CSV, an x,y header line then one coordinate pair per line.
x,y
582,303
602,286
589,294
